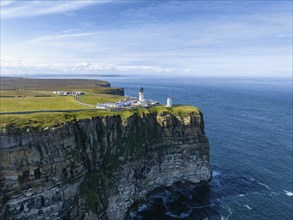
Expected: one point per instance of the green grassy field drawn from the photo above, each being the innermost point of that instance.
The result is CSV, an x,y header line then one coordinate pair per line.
x,y
39,103
18,85
15,83
101,98
23,94
50,119
29,100
177,110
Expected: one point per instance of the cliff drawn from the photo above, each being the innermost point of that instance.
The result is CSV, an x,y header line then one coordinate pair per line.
x,y
110,90
97,168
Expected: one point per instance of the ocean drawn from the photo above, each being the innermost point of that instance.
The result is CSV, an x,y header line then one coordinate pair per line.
x,y
249,125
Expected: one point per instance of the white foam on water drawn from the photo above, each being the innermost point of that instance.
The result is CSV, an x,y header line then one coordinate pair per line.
x,y
227,217
288,193
171,214
241,195
260,183
132,215
247,206
142,207
216,173
274,194
182,215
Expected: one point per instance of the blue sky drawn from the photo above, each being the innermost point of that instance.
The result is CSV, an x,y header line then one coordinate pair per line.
x,y
187,38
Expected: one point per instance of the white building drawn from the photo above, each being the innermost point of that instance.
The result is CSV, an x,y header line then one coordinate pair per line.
x,y
107,105
169,102
141,95
73,93
130,102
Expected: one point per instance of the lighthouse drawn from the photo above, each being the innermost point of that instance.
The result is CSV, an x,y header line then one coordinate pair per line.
x,y
141,94
169,102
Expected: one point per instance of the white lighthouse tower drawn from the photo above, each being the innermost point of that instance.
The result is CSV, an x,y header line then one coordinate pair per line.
x,y
169,102
141,95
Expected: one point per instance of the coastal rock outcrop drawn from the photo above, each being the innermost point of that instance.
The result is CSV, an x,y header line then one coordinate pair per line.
x,y
97,168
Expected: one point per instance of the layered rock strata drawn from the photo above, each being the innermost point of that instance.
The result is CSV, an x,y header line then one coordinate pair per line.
x,y
97,168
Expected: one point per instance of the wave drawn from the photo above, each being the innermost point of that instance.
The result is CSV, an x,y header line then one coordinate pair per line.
x,y
216,173
262,184
182,215
142,207
288,193
274,193
259,183
227,217
247,206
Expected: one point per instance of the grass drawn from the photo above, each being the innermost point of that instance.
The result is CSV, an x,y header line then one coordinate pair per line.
x,y
39,103
57,119
49,84
24,93
100,98
16,86
53,119
32,100
176,110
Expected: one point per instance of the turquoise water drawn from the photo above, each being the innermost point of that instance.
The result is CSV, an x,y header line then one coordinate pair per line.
x,y
249,126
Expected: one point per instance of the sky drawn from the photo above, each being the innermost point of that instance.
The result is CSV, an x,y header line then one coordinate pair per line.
x,y
184,38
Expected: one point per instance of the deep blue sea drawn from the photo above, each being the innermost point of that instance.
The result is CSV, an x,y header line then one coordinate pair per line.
x,y
249,126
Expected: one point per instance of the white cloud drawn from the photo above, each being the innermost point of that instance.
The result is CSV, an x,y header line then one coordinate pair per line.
x,y
15,67
6,2
213,66
285,36
62,36
13,9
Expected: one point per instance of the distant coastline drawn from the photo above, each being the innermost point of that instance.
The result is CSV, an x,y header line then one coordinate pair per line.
x,y
61,75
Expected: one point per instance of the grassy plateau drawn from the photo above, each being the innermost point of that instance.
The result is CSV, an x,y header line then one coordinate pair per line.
x,y
21,94
57,119
17,95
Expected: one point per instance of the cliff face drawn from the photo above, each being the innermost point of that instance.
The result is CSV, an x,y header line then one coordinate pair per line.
x,y
114,91
97,168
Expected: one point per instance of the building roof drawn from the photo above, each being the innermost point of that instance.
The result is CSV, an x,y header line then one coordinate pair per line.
x,y
141,89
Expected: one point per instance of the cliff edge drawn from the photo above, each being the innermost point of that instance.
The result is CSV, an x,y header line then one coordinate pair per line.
x,y
96,168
